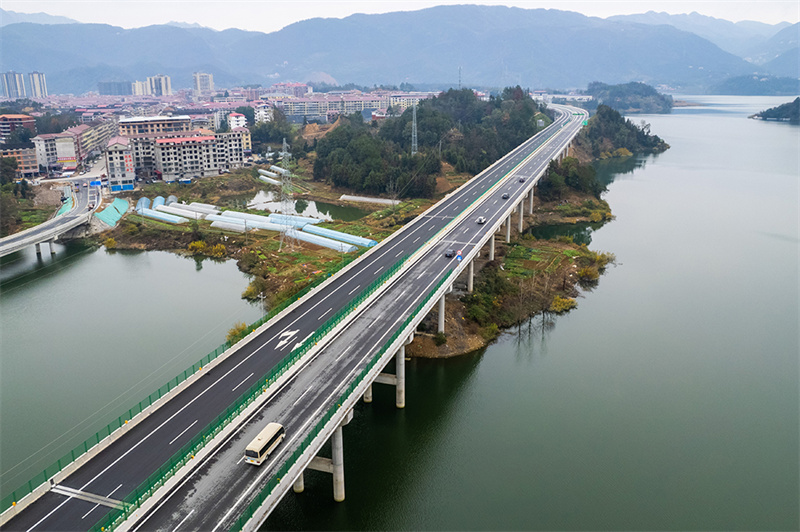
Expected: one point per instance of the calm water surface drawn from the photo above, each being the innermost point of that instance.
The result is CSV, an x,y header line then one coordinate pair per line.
x,y
668,400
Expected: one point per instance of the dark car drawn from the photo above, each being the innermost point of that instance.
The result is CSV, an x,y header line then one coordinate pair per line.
x,y
505,195
449,253
521,179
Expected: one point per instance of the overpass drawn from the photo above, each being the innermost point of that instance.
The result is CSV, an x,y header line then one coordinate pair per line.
x,y
50,230
306,368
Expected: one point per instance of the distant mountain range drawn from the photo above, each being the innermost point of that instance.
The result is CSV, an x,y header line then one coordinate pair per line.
x,y
12,17
495,46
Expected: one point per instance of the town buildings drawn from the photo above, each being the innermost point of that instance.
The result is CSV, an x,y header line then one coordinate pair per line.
x,y
115,88
140,88
237,120
38,84
72,147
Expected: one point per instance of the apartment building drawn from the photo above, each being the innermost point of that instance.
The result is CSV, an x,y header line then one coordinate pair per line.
x,y
160,85
10,123
38,84
237,120
27,165
13,85
140,88
203,82
73,146
119,164
139,125
264,113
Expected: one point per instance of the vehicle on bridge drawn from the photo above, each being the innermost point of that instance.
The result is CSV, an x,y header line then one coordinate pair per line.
x,y
264,443
481,219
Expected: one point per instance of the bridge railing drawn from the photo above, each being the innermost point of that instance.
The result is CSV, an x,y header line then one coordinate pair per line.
x,y
187,453
276,477
42,477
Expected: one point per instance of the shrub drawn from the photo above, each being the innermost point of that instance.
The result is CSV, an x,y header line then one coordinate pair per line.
x,y
440,339
490,332
589,273
197,247
218,251
110,243
562,304
237,332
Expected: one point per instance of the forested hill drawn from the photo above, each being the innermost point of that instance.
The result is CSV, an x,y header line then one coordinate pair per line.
x,y
609,133
631,97
787,112
468,133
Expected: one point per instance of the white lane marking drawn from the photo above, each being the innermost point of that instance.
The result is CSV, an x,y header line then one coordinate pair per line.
x,y
96,505
183,520
415,241
184,430
429,228
379,269
286,337
301,396
323,314
245,380
400,253
350,293
343,353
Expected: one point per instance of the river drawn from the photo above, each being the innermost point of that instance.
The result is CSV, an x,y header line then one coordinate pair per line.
x,y
667,400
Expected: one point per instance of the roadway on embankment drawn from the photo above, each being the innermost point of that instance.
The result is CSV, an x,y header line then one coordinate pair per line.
x,y
121,467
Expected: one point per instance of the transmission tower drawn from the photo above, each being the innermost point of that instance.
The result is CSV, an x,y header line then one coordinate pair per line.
x,y
414,129
287,201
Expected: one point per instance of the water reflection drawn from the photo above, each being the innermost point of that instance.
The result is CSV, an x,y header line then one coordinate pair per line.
x,y
269,201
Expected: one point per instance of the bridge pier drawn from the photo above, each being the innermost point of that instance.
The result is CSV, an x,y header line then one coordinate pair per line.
x,y
508,229
521,215
333,465
400,374
38,249
52,251
470,275
491,247
530,198
441,314
368,394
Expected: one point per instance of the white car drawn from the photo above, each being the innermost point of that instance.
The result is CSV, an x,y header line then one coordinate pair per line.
x,y
481,220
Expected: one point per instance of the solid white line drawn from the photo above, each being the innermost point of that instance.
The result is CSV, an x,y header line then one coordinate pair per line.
x,y
379,269
301,396
245,380
350,293
323,314
343,353
183,520
184,430
415,241
398,254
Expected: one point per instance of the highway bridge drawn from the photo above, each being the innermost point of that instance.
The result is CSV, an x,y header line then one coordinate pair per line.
x,y
177,465
50,230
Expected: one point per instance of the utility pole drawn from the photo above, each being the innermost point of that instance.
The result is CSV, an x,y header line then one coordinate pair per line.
x,y
414,129
459,78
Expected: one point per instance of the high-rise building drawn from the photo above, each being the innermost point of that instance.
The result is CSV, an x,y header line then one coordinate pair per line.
x,y
13,85
160,85
115,88
203,83
141,88
38,84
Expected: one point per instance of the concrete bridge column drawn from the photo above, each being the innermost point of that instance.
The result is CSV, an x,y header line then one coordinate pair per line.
x,y
508,229
38,248
441,314
299,485
400,374
521,214
470,275
491,247
368,394
337,449
530,199
52,250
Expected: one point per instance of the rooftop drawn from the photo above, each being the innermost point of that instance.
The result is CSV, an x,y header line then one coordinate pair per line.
x,y
135,119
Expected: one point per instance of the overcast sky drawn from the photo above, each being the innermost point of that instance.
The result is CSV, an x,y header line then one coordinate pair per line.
x,y
272,15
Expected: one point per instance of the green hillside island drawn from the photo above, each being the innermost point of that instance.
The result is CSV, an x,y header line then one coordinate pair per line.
x,y
630,98
788,112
